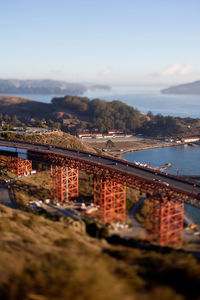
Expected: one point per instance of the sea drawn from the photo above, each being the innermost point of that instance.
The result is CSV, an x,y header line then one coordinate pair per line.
x,y
184,159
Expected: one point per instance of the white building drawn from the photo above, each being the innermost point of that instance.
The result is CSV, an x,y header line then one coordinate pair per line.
x,y
190,140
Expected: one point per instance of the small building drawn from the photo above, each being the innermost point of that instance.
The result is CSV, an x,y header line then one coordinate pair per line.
x,y
98,135
115,131
81,135
129,135
89,135
190,139
108,136
119,135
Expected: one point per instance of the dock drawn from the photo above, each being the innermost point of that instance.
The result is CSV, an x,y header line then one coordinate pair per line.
x,y
166,166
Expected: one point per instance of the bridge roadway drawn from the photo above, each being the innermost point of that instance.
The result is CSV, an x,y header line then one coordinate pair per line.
x,y
159,179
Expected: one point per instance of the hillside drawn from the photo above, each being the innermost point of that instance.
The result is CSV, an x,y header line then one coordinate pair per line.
x,y
192,88
41,259
23,108
58,138
46,86
73,114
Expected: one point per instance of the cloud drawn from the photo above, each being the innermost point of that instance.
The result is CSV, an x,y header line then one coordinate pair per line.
x,y
177,69
105,72
187,70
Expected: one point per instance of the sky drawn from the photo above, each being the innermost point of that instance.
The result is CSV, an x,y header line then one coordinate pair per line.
x,y
115,42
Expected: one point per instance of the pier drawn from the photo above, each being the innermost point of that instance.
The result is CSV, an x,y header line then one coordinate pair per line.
x,y
166,166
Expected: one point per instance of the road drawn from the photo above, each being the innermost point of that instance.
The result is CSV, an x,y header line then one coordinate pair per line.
x,y
137,229
26,150
62,211
5,197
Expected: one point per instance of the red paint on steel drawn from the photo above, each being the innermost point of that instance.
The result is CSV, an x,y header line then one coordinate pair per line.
x,y
64,183
110,199
19,166
164,222
72,183
58,184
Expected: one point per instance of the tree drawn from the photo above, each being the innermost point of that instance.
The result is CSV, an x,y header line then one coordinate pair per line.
x,y
110,144
150,114
15,120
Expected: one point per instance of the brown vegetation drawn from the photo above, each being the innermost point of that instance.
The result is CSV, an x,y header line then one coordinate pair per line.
x,y
41,259
57,138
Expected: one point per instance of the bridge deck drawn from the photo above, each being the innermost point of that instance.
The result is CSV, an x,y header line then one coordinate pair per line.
x,y
102,165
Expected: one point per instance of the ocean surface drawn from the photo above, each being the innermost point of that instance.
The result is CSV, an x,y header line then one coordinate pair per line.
x,y
184,158
143,99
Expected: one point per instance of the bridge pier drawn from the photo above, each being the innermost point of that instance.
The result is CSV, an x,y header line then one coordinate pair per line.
x,y
164,222
110,198
19,165
64,183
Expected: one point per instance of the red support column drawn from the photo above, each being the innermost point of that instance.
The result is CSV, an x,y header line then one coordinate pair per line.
x,y
72,183
19,166
110,198
64,183
164,222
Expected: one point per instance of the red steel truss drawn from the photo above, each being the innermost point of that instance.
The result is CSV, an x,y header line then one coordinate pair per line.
x,y
19,165
155,189
72,183
164,222
64,183
110,198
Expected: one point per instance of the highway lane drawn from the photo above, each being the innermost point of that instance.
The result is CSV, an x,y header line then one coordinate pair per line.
x,y
160,179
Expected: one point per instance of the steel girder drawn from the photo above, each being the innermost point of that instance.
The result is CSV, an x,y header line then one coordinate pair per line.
x,y
164,222
110,199
64,183
19,165
154,189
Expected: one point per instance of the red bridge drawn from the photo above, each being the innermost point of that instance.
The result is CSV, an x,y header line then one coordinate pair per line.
x,y
166,193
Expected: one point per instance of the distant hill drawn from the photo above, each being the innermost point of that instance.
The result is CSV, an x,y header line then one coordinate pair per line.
x,y
192,88
46,86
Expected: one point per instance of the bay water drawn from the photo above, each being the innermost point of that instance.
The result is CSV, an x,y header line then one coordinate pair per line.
x,y
184,158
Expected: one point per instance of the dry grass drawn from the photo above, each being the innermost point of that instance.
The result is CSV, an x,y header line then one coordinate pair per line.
x,y
44,258
41,259
58,138
33,188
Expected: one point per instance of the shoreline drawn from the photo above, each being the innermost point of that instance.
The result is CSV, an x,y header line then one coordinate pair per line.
x,y
149,147
121,146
